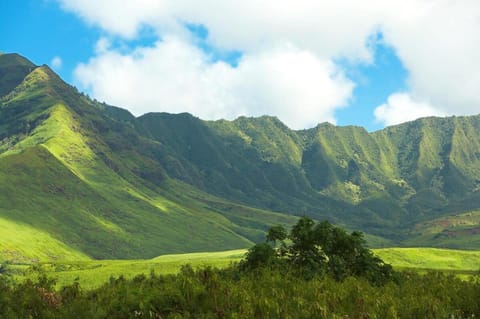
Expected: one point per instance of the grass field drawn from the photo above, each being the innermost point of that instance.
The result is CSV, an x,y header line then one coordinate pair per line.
x,y
431,258
93,273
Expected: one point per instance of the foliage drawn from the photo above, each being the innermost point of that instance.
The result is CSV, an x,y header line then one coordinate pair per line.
x,y
229,293
318,248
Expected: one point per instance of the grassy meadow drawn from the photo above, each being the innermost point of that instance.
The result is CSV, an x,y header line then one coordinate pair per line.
x,y
431,258
93,273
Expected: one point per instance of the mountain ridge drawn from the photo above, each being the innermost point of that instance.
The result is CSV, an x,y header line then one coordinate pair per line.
x,y
137,186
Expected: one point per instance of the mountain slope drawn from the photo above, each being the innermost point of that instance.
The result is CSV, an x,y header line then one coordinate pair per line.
x,y
66,171
382,182
13,69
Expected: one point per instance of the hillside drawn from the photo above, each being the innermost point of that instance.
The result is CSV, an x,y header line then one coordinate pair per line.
x,y
84,179
382,182
91,180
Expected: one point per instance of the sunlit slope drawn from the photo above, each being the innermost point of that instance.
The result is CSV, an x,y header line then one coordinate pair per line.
x,y
21,243
44,194
60,177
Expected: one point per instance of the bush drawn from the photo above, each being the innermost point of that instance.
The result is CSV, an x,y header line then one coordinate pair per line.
x,y
232,293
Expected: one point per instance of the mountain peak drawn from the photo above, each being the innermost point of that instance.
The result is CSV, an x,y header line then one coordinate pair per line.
x,y
14,59
44,73
13,69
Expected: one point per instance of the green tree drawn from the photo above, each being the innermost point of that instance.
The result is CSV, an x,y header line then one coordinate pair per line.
x,y
276,233
259,255
320,248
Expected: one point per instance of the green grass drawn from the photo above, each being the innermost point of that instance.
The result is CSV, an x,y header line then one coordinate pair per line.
x,y
431,258
23,243
94,273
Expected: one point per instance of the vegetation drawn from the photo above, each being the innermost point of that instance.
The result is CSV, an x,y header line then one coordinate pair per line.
x,y
213,293
460,231
269,283
431,259
94,273
317,249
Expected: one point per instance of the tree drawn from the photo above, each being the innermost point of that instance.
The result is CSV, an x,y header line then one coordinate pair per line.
x,y
259,255
320,248
276,233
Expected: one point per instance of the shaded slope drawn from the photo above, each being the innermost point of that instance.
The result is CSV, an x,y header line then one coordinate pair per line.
x,y
249,160
381,182
13,69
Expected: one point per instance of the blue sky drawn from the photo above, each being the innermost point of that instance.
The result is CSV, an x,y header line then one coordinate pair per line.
x,y
39,30
375,82
177,56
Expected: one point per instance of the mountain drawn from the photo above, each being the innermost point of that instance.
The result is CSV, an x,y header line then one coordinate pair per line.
x,y
382,182
82,179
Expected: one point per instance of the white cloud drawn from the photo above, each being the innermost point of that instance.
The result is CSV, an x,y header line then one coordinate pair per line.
x,y
326,28
175,76
436,40
119,17
56,63
400,108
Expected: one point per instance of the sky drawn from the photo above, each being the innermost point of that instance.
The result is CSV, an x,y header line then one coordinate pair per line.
x,y
349,62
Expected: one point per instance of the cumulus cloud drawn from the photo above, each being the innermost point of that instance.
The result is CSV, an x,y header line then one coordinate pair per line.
x,y
175,76
123,18
437,41
400,108
326,28
56,63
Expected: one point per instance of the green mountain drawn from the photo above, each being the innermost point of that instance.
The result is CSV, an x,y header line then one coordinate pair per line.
x,y
382,182
82,179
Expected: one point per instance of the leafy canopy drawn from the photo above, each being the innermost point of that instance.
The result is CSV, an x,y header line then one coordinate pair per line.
x,y
318,248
